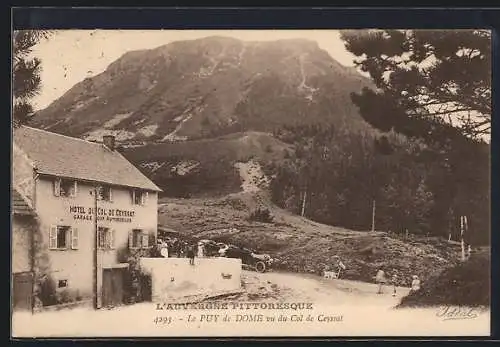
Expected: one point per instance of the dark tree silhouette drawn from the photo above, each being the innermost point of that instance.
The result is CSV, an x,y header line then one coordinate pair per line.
x,y
26,82
427,80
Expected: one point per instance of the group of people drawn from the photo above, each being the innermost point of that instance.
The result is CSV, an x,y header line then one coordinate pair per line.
x,y
381,280
177,249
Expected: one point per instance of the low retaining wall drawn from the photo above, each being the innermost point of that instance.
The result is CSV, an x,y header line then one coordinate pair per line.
x,y
174,278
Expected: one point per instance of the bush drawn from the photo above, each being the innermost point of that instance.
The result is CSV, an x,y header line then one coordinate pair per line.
x,y
65,296
467,284
137,284
261,215
47,293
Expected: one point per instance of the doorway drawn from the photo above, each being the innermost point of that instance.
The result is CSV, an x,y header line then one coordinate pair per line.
x,y
22,290
112,287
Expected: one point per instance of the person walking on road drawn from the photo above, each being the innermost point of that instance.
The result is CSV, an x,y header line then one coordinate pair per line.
x,y
380,280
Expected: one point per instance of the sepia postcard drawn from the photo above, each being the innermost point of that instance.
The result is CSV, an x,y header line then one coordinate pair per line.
x,y
250,183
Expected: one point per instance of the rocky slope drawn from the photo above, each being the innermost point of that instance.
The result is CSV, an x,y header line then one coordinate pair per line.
x,y
205,88
299,244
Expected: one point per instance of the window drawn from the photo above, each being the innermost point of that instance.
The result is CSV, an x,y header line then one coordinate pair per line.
x,y
139,197
65,187
138,239
62,283
106,238
63,237
105,193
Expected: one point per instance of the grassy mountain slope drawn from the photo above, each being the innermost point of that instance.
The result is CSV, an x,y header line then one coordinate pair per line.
x,y
205,88
299,244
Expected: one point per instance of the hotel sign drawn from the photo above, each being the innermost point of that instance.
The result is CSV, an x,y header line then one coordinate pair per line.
x,y
103,214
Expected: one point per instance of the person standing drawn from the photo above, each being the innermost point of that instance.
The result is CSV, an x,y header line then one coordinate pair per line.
x,y
415,284
164,250
201,250
394,283
340,267
380,280
190,254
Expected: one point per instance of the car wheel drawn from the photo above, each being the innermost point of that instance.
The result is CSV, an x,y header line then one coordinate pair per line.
x,y
260,267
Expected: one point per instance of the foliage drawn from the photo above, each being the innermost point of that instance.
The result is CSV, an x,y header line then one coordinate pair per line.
x,y
26,73
435,87
47,292
428,80
466,284
137,284
261,215
341,173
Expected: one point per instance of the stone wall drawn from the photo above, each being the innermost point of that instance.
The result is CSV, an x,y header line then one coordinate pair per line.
x,y
174,278
22,227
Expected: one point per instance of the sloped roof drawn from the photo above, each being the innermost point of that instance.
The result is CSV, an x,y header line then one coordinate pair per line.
x,y
19,205
64,156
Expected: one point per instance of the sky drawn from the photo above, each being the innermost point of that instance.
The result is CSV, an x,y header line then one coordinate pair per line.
x,y
70,56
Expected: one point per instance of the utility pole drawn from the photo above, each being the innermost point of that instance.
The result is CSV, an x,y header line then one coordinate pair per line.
x,y
373,216
463,227
304,203
95,258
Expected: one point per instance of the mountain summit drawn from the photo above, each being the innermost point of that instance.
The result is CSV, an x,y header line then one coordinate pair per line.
x,y
206,88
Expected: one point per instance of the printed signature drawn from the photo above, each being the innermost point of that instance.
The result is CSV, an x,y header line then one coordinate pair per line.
x,y
457,312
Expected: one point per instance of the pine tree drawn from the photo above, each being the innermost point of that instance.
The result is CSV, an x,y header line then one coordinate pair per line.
x,y
430,82
25,73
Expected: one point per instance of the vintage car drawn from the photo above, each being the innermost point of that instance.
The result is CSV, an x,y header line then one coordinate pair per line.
x,y
259,262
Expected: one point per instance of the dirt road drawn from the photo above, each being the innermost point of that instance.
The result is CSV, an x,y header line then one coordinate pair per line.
x,y
340,308
284,286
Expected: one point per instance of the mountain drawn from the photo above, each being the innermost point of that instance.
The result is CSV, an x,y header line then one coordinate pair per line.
x,y
206,88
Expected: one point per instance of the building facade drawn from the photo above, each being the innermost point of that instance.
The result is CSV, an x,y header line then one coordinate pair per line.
x,y
83,194
24,223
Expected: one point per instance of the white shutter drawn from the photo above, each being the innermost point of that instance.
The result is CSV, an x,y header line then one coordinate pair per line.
x,y
145,241
131,239
53,237
112,238
145,197
75,189
57,187
132,196
110,194
74,238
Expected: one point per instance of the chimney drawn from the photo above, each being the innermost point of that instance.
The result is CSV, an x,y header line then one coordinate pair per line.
x,y
109,141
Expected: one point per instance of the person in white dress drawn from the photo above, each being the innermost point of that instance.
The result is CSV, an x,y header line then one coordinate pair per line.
x,y
200,250
380,280
415,284
164,250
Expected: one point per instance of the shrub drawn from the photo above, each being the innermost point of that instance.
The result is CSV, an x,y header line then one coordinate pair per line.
x,y
137,284
466,284
261,215
47,293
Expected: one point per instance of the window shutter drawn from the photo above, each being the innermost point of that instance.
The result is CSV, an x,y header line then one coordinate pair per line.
x,y
53,237
145,196
102,238
110,194
145,241
112,238
75,189
131,239
74,238
57,187
132,196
